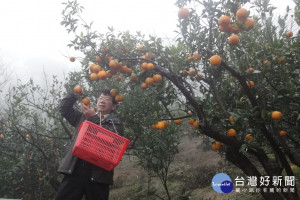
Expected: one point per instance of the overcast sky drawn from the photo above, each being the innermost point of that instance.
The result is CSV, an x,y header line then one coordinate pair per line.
x,y
32,40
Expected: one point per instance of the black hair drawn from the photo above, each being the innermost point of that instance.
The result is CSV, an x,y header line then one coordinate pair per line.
x,y
107,92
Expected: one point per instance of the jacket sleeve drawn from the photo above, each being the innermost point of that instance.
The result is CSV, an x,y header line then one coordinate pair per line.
x,y
67,110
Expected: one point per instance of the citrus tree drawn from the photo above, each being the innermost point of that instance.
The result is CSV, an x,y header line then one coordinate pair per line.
x,y
236,70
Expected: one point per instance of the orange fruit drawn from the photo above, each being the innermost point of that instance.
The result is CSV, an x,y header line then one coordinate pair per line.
x,y
113,92
196,124
250,83
119,98
94,76
215,60
118,78
157,78
231,119
140,47
177,121
242,14
231,132
293,166
149,81
91,67
160,125
282,133
224,21
266,62
185,133
72,59
183,13
233,40
27,135
249,137
249,23
289,34
113,64
150,66
97,68
86,101
77,89
234,29
197,56
98,59
226,29
144,85
192,72
191,121
1,136
216,146
102,75
190,58
276,115
144,66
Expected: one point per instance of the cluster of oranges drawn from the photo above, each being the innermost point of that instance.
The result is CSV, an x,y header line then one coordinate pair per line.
x,y
156,78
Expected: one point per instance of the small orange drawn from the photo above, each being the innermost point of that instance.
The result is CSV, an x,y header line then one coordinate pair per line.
x,y
157,78
119,98
86,101
231,119
216,146
197,56
226,29
251,69
215,60
249,137
144,85
231,132
72,59
150,66
233,39
91,67
282,133
293,166
94,76
242,14
289,34
250,83
1,136
276,115
192,72
160,125
249,23
144,66
266,62
177,121
224,21
97,68
234,28
27,135
77,89
118,78
149,81
190,58
191,121
196,124
113,64
140,47
185,133
183,13
98,59
102,75
113,92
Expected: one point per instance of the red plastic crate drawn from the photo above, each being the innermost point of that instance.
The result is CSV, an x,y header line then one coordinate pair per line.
x,y
99,146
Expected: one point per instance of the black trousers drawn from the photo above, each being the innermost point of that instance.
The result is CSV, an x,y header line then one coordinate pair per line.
x,y
75,186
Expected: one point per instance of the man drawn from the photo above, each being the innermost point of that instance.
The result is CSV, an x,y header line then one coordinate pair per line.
x,y
80,177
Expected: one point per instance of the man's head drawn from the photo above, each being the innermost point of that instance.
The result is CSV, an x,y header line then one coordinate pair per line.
x,y
106,103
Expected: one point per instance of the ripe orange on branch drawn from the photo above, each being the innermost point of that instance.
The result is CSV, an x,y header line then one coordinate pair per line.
x,y
77,89
119,97
113,92
149,81
249,137
94,76
249,23
102,75
242,14
177,121
276,115
224,21
282,133
157,78
183,13
233,40
289,34
215,60
231,132
72,59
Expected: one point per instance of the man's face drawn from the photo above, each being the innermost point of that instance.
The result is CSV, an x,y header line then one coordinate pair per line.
x,y
105,104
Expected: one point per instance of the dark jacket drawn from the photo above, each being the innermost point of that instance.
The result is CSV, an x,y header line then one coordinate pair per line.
x,y
75,118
